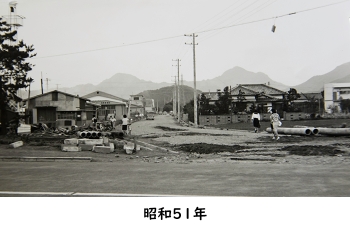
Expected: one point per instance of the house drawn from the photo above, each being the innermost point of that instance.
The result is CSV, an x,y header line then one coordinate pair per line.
x,y
137,105
60,109
110,105
333,93
263,97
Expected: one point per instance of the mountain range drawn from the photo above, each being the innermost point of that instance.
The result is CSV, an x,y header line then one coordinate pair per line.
x,y
124,85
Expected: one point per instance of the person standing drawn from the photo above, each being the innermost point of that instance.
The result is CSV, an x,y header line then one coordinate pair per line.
x,y
125,123
256,120
275,121
112,120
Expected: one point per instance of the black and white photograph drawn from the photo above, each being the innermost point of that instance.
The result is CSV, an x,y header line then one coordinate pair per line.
x,y
174,114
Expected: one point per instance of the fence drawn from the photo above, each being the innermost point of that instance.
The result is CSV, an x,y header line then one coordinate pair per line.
x,y
225,119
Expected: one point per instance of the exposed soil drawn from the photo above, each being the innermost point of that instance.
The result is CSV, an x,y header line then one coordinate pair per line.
x,y
312,150
203,148
168,128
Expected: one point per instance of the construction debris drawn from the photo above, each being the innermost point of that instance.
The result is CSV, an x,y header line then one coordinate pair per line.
x,y
16,144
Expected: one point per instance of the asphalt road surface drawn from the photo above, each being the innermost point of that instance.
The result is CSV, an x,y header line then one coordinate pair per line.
x,y
136,175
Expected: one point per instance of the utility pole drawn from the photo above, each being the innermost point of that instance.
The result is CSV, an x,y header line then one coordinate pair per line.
x,y
178,89
47,84
182,91
57,86
174,98
194,76
41,82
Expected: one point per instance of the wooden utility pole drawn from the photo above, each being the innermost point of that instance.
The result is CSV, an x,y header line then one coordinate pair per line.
x,y
174,98
194,77
178,90
42,87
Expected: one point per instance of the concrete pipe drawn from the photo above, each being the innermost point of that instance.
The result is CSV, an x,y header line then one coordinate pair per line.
x,y
88,134
297,131
93,134
314,131
334,131
81,134
99,134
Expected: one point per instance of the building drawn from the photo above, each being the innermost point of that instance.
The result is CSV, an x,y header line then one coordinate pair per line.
x,y
110,105
137,105
60,109
261,96
333,93
149,105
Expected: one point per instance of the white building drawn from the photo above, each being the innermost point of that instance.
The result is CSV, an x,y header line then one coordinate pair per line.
x,y
333,93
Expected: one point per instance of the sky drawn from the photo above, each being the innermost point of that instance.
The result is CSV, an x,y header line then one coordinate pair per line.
x,y
88,41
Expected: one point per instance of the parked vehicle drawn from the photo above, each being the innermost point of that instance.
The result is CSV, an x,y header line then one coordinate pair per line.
x,y
150,116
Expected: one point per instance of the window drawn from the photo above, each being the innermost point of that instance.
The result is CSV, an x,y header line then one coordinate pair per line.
x,y
66,115
136,98
55,96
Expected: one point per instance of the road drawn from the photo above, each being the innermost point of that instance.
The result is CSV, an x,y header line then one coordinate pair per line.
x,y
155,172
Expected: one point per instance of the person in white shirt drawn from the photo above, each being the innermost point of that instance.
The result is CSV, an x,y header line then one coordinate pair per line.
x,y
112,120
125,123
256,120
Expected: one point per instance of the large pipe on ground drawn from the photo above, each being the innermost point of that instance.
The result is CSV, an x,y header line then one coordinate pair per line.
x,y
298,131
93,134
99,134
314,130
81,134
334,131
88,134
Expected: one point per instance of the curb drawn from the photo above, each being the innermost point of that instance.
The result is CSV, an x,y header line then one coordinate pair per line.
x,y
42,159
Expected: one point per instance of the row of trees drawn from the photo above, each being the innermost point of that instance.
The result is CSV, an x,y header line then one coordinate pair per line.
x,y
13,70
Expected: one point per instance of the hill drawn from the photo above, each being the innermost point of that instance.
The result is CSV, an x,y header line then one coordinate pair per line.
x,y
164,95
315,84
234,76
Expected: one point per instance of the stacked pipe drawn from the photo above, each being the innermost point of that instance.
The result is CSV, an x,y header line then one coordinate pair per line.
x,y
90,134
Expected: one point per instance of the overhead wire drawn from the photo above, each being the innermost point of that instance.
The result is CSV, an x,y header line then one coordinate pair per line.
x,y
198,32
243,17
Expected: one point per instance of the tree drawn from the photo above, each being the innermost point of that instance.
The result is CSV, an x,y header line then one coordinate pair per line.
x,y
345,105
168,107
240,104
312,104
205,108
289,99
13,69
223,103
189,109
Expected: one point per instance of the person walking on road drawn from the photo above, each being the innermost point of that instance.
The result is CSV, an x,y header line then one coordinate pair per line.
x,y
256,120
275,122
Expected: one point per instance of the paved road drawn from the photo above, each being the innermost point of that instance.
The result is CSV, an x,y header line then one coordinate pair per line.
x,y
175,179
131,176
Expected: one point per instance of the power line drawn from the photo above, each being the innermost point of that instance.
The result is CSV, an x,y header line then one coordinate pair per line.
x,y
203,31
112,47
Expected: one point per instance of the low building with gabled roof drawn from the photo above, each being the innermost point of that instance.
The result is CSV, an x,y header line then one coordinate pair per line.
x,y
60,109
110,105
